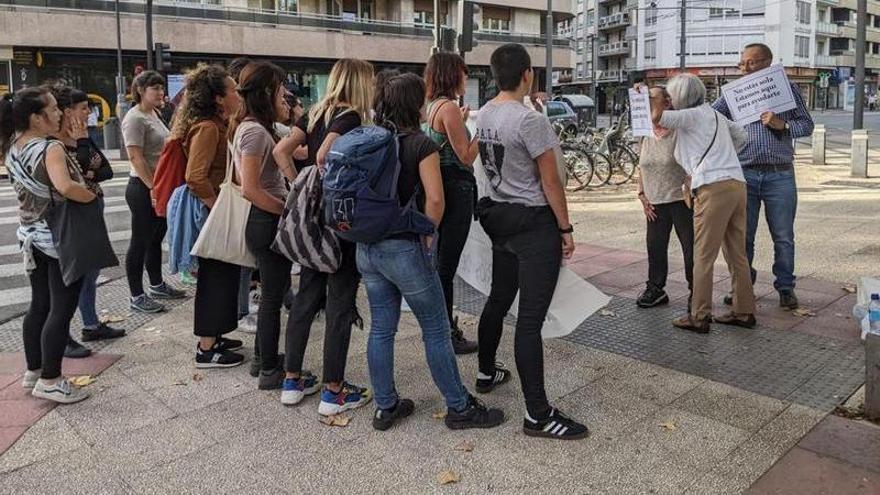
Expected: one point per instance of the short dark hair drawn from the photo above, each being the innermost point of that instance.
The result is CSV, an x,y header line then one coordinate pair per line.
x,y
144,80
382,77
236,66
768,53
16,110
444,75
399,102
509,62
67,97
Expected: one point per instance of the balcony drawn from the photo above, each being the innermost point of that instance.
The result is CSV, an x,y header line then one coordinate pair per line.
x,y
614,21
614,49
632,4
827,29
632,33
843,53
826,61
613,75
829,2
610,2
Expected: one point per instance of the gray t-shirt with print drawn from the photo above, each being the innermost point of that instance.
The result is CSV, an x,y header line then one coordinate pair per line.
x,y
511,138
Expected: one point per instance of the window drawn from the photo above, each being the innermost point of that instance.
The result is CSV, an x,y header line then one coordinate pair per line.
x,y
580,70
802,46
650,49
555,109
732,45
716,13
423,12
287,5
496,19
651,16
753,8
802,12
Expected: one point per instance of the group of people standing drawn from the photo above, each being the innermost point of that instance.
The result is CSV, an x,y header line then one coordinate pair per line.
x,y
708,177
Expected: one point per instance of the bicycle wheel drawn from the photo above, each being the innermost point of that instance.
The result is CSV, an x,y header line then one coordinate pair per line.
x,y
579,170
624,162
601,168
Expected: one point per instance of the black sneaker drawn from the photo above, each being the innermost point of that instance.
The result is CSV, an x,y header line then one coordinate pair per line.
x,y
272,379
474,415
385,418
165,291
460,344
217,358
103,332
651,297
788,300
229,344
75,350
257,364
557,425
487,383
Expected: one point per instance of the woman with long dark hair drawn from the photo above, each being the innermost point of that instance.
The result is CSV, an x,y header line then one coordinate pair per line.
x,y
445,77
252,132
42,176
144,134
401,267
95,168
201,124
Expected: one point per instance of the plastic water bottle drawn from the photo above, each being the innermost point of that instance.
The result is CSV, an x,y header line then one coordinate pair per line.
x,y
874,314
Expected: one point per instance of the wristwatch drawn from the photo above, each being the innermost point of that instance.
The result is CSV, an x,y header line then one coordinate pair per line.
x,y
569,230
787,127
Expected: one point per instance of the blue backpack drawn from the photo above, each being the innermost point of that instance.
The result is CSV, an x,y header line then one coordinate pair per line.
x,y
360,188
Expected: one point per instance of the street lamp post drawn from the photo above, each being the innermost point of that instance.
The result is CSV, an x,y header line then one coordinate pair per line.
x,y
861,22
549,76
683,40
149,29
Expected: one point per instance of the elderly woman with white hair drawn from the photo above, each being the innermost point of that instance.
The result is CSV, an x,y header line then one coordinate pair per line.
x,y
706,148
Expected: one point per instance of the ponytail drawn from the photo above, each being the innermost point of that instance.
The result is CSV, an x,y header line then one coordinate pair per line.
x,y
16,111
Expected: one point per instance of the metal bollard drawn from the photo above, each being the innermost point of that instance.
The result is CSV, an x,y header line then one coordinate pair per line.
x,y
859,154
872,376
819,144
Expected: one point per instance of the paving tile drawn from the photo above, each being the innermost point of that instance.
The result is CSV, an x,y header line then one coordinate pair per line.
x,y
48,438
23,412
649,382
12,363
9,379
739,469
819,285
9,435
189,394
95,421
802,471
849,441
730,405
76,472
92,365
15,391
786,429
843,328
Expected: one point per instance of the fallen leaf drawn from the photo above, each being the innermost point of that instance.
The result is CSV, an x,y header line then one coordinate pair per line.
x,y
465,446
152,330
803,312
851,288
178,382
108,318
341,421
82,381
668,425
438,414
607,312
448,477
198,377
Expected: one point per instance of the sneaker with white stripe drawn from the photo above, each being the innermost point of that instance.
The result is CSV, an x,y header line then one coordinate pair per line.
x,y
61,391
217,357
557,426
487,382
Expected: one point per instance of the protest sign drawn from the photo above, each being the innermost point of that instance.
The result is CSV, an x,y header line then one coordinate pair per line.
x,y
767,90
640,112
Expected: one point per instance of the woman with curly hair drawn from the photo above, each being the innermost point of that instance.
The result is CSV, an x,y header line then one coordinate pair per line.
x,y
201,124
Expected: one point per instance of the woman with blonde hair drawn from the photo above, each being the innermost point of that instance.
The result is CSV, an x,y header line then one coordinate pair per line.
x,y
346,106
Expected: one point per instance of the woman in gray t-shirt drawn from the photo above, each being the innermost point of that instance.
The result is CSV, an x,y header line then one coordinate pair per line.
x,y
660,191
144,134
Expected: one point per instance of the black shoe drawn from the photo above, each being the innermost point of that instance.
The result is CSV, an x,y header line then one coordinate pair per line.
x,y
165,291
557,426
651,297
460,344
728,300
385,418
272,379
103,332
474,415
217,357
257,364
75,350
788,300
229,344
498,377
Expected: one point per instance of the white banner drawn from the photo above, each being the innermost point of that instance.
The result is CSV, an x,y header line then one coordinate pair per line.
x,y
640,112
767,90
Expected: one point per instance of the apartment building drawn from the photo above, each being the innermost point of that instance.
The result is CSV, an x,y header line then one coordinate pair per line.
x,y
75,41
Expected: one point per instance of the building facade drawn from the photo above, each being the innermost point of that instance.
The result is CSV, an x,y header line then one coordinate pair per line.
x,y
62,40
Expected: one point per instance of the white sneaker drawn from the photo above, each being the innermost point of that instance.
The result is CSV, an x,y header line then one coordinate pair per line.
x,y
61,391
248,324
30,378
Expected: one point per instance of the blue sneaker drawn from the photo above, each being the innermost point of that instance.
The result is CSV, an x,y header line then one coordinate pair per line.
x,y
294,390
350,397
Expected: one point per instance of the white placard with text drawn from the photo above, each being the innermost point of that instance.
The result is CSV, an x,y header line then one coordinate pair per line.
x,y
640,112
767,90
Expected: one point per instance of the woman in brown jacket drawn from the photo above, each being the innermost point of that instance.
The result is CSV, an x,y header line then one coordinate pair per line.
x,y
201,123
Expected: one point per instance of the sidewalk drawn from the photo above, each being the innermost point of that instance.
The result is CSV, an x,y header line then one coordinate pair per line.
x,y
670,412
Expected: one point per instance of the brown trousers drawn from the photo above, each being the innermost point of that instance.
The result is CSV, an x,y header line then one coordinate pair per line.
x,y
720,224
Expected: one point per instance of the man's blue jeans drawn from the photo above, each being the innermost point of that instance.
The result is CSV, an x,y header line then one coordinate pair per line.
x,y
396,268
777,189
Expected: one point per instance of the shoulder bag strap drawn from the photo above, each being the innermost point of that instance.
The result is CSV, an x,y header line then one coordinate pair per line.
x,y
714,136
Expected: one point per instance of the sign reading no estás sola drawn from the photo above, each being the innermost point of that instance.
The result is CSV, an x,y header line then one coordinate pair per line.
x,y
640,112
767,90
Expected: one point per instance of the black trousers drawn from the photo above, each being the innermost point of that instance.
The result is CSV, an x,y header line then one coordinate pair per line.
x,y
336,293
453,232
275,275
46,326
216,305
671,215
147,232
526,257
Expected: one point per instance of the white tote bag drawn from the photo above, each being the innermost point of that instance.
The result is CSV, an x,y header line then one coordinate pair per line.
x,y
223,235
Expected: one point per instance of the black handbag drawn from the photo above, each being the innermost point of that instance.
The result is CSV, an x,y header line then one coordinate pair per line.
x,y
80,236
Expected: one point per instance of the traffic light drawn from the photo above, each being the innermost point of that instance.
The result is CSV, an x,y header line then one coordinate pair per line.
x,y
163,56
466,41
447,40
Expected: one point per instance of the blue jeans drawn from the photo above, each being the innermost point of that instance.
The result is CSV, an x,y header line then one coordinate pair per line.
x,y
396,268
777,189
87,300
244,292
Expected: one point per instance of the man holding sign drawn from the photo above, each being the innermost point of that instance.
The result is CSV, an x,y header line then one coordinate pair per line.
x,y
768,158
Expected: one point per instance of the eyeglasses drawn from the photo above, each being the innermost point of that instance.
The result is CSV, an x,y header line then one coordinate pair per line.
x,y
751,63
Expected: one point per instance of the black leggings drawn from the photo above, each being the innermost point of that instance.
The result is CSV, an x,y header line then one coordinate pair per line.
x,y
216,305
526,256
147,232
46,326
453,233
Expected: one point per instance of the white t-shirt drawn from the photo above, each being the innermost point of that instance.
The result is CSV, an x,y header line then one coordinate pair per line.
x,y
694,130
